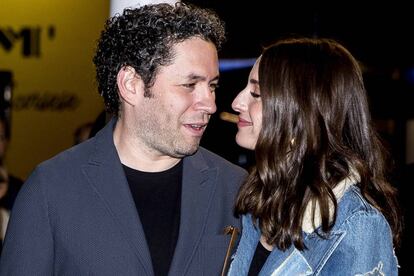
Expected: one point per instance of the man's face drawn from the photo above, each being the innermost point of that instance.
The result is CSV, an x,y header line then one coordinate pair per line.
x,y
173,120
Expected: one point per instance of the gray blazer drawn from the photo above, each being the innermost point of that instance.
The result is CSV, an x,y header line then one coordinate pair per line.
x,y
75,215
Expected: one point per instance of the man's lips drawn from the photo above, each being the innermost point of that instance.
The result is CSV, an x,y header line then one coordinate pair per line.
x,y
196,128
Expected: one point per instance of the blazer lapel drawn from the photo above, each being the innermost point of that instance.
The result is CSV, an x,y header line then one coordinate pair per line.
x,y
197,191
106,175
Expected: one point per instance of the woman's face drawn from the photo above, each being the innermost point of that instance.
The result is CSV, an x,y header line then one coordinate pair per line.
x,y
249,106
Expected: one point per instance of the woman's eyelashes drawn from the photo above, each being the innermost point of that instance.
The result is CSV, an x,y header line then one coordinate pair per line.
x,y
254,94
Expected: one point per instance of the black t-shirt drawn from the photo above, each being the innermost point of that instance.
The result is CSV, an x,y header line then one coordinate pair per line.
x,y
259,258
157,197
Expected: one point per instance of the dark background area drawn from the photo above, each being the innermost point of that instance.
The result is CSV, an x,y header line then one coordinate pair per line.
x,y
379,35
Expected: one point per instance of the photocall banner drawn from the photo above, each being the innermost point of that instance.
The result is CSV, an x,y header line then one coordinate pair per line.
x,y
48,47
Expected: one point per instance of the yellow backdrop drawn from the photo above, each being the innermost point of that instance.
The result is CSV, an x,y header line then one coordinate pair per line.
x,y
48,45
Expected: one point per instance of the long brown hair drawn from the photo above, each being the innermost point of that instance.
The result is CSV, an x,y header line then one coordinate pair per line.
x,y
316,128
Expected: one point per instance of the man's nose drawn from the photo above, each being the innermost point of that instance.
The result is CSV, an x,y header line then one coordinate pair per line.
x,y
206,102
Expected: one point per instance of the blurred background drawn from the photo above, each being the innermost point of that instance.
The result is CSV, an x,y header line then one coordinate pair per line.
x,y
49,99
379,38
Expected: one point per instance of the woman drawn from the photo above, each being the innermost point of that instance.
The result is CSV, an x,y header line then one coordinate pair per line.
x,y
317,202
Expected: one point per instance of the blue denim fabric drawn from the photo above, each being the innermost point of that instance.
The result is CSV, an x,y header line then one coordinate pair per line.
x,y
360,243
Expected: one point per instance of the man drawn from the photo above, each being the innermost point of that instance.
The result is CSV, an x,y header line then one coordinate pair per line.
x,y
140,198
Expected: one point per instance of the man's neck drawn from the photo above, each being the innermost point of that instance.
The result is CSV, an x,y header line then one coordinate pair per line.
x,y
137,155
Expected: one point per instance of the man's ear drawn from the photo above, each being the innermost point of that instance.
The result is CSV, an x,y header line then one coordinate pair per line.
x,y
130,85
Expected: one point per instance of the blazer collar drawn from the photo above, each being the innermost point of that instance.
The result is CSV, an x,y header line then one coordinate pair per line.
x,y
105,173
199,182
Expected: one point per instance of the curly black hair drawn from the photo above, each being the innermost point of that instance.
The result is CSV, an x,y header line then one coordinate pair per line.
x,y
143,39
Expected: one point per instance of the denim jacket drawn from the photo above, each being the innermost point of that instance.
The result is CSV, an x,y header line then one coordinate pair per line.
x,y
360,243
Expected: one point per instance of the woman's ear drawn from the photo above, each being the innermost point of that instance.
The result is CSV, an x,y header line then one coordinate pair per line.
x,y
130,85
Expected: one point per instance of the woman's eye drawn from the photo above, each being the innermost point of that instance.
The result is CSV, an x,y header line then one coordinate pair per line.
x,y
255,95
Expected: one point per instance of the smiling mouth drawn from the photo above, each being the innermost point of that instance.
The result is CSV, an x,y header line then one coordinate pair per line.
x,y
196,129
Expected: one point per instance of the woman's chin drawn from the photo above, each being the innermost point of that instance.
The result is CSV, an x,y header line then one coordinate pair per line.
x,y
245,143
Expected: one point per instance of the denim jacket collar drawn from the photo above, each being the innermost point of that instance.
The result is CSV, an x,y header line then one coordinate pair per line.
x,y
309,225
289,262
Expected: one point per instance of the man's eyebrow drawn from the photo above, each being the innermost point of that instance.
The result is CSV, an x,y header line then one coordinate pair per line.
x,y
216,78
195,77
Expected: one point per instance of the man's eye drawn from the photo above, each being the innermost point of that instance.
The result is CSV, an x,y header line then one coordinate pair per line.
x,y
189,85
214,86
255,95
